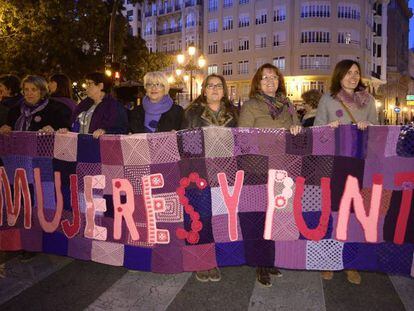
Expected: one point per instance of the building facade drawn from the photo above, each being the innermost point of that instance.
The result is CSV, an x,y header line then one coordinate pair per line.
x,y
133,12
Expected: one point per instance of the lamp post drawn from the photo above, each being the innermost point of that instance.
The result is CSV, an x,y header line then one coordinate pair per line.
x,y
190,66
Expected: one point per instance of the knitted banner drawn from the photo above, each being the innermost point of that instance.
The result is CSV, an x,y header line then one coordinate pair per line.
x,y
327,199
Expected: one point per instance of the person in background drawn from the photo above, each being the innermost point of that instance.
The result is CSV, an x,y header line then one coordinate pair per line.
x,y
311,99
60,89
269,107
99,113
348,101
211,108
157,113
10,95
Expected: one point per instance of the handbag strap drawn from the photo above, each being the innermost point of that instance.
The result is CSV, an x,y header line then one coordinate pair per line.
x,y
349,112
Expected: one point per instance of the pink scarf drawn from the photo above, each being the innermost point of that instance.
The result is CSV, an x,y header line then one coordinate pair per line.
x,y
358,100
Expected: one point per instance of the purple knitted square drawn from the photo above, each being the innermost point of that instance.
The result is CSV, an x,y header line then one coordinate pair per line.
x,y
393,258
272,142
6,145
46,168
230,254
346,140
221,229
45,145
292,164
376,142
316,167
12,163
134,174
87,169
163,147
221,165
392,140
253,198
290,254
171,175
167,259
300,144
255,168
199,257
49,195
190,165
360,256
323,140
191,143
245,141
111,172
25,143
32,240
111,150
80,248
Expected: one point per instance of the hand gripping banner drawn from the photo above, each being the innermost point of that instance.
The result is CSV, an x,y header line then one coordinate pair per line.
x,y
327,199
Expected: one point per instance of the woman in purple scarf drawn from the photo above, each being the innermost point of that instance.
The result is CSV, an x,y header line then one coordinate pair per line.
x,y
157,113
36,112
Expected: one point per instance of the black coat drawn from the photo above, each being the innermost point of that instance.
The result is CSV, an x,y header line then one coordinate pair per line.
x,y
6,104
55,114
170,120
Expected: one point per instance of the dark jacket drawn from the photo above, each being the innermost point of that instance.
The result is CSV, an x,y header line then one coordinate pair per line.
x,y
70,103
170,120
55,114
6,104
197,115
109,115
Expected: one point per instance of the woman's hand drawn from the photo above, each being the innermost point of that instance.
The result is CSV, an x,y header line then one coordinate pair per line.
x,y
334,124
62,131
362,125
46,129
295,129
5,129
98,133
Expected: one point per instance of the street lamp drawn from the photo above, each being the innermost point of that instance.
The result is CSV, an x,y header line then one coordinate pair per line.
x,y
190,66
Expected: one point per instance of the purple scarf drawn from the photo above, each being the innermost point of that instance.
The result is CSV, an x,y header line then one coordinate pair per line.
x,y
358,100
275,104
26,114
154,111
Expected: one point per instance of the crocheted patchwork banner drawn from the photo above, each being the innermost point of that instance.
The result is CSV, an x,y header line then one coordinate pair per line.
x,y
327,199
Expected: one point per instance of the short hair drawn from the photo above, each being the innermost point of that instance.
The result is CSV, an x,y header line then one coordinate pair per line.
x,y
39,82
312,98
255,85
99,77
64,87
341,69
12,83
157,77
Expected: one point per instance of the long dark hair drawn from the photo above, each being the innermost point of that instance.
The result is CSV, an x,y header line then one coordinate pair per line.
x,y
64,87
341,69
12,83
255,86
202,99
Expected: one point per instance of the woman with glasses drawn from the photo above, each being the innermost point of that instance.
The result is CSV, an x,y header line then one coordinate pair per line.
x,y
36,111
211,108
99,113
268,107
158,113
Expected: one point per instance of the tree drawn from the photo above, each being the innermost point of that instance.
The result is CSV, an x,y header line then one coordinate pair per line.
x,y
44,36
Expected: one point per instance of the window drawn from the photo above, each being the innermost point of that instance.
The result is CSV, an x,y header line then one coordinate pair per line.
x,y
260,62
212,48
212,25
315,36
228,22
244,20
227,69
243,67
243,44
313,85
348,37
260,41
243,1
212,69
349,11
130,15
279,38
227,46
280,62
227,3
279,14
315,62
190,20
148,29
261,17
315,9
212,5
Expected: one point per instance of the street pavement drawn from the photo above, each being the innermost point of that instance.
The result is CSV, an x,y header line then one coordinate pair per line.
x,y
51,282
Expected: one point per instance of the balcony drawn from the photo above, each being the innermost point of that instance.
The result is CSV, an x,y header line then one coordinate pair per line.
x,y
279,43
316,67
169,31
192,3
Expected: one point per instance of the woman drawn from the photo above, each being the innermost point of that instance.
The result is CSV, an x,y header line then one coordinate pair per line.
x,y
158,113
10,96
348,101
268,107
36,112
211,108
60,89
99,113
311,99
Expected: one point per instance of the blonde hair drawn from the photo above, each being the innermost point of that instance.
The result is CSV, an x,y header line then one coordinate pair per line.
x,y
157,77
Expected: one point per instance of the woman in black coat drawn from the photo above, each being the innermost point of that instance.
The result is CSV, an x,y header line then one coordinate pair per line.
x,y
157,113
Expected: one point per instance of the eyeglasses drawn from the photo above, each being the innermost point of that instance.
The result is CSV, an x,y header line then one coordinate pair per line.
x,y
154,85
89,83
270,78
211,86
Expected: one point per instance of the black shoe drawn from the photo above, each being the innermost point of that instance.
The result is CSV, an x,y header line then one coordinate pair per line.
x,y
27,256
263,277
275,271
